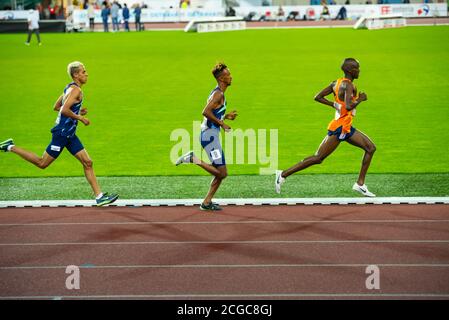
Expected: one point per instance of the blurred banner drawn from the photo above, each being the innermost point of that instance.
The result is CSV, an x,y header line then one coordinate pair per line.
x,y
157,15
353,12
266,13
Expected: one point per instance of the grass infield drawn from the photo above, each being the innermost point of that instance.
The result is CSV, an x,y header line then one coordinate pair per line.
x,y
142,86
242,186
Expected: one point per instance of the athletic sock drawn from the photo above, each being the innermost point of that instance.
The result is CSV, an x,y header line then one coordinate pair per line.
x,y
10,146
99,196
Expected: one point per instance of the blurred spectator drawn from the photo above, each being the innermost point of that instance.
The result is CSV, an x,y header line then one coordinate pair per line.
x,y
52,10
105,12
184,4
348,2
91,16
341,14
69,20
40,9
325,15
292,15
230,12
114,15
125,14
137,13
265,16
250,16
280,14
69,14
46,13
60,14
33,26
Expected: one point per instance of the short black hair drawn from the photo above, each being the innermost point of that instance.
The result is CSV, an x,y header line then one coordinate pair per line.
x,y
218,69
348,61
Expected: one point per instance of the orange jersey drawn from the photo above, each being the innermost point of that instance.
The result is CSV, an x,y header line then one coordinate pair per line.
x,y
343,118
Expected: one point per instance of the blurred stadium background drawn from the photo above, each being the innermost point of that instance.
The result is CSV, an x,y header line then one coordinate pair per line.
x,y
144,85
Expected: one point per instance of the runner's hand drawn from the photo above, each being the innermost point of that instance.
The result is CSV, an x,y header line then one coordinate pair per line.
x,y
85,121
226,127
362,96
231,115
83,111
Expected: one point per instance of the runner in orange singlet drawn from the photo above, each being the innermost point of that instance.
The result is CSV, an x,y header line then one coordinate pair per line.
x,y
339,129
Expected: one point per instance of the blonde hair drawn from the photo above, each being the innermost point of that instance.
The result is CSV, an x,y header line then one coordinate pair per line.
x,y
73,68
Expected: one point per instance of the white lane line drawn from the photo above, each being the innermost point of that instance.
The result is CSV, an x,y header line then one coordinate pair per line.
x,y
429,24
220,222
233,266
231,201
240,295
302,27
216,242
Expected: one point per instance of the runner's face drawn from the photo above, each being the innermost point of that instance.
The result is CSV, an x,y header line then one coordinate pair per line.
x,y
82,75
356,71
226,77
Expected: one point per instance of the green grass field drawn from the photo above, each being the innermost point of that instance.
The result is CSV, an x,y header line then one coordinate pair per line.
x,y
241,186
142,86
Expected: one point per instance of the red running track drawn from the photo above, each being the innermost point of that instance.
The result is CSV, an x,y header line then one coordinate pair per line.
x,y
243,252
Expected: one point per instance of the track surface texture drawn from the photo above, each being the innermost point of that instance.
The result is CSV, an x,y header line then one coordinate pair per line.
x,y
242,252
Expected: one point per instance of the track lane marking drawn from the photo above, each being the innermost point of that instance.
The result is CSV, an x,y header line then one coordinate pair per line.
x,y
221,222
217,242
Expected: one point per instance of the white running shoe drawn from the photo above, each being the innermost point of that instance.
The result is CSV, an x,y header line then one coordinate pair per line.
x,y
363,190
186,158
279,181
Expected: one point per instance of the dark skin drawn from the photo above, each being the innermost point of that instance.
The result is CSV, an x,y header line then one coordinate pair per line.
x,y
347,91
217,100
224,81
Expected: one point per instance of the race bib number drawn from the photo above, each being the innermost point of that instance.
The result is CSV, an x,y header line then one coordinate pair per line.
x,y
55,148
215,154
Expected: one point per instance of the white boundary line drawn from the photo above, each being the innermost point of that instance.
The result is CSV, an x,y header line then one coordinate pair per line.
x,y
55,224
429,24
231,201
303,27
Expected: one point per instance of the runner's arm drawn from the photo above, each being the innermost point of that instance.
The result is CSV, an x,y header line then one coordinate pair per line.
x,y
72,98
321,96
349,92
58,104
212,104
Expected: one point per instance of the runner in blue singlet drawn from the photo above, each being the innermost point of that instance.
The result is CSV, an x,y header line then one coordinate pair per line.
x,y
214,113
69,106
